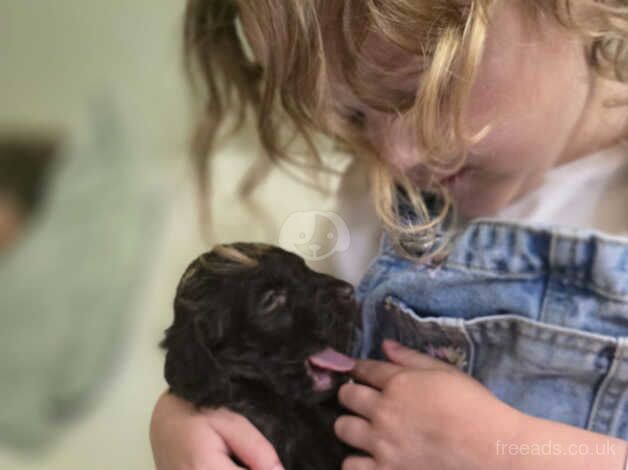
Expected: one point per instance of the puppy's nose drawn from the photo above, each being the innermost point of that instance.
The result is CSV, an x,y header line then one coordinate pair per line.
x,y
345,293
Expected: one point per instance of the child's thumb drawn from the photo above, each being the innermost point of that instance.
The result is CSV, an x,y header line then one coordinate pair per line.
x,y
245,440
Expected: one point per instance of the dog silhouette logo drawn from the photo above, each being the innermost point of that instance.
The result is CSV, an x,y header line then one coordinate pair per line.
x,y
314,235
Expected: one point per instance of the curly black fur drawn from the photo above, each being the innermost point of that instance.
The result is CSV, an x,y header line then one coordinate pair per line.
x,y
241,337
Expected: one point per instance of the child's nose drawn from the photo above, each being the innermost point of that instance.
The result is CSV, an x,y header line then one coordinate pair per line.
x,y
396,141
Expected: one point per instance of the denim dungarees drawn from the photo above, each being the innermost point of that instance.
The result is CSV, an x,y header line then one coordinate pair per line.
x,y
539,315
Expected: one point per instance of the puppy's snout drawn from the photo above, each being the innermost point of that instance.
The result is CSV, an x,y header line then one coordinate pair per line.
x,y
335,294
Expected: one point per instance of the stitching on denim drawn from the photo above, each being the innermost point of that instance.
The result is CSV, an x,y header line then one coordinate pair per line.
x,y
527,327
471,344
497,274
559,231
600,392
550,276
604,293
531,326
556,236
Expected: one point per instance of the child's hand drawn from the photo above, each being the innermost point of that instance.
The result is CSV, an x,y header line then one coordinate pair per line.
x,y
422,413
185,439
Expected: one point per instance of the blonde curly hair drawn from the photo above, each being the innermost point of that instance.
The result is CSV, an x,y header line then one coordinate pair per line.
x,y
290,87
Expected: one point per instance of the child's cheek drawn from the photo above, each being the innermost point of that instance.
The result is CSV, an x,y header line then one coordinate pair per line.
x,y
398,143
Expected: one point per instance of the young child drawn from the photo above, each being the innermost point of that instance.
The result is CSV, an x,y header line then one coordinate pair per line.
x,y
512,110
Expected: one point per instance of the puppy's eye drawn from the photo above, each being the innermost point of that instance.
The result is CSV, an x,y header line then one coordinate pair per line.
x,y
271,300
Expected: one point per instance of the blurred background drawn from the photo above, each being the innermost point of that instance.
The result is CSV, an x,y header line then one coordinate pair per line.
x,y
99,217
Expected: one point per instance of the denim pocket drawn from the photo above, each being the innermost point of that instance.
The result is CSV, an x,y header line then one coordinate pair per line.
x,y
544,370
442,337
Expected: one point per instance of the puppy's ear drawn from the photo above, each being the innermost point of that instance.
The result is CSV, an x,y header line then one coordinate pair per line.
x,y
192,369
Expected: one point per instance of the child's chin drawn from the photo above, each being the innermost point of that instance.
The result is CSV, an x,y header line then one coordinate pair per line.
x,y
472,204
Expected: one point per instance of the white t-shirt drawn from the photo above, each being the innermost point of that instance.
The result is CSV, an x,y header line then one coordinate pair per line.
x,y
591,192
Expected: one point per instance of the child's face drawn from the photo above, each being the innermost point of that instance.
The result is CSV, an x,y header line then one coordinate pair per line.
x,y
533,87
533,84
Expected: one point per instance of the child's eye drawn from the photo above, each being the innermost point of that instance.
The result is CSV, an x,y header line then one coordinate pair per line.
x,y
354,116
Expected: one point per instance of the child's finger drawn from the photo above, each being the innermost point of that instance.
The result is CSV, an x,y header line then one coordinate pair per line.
x,y
222,462
374,373
245,440
354,431
355,462
407,357
361,399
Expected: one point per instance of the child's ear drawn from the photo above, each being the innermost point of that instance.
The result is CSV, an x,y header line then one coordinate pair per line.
x,y
192,369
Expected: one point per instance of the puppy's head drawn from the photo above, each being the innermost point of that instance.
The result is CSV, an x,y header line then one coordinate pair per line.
x,y
255,317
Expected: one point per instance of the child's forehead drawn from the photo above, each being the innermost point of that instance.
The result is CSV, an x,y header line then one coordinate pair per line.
x,y
384,71
334,20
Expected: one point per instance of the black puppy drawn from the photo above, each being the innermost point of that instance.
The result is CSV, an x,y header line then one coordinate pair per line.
x,y
257,331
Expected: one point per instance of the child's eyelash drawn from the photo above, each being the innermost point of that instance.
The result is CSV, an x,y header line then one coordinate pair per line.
x,y
354,116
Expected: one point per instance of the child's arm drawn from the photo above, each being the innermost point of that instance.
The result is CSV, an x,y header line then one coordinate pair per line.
x,y
185,439
418,409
